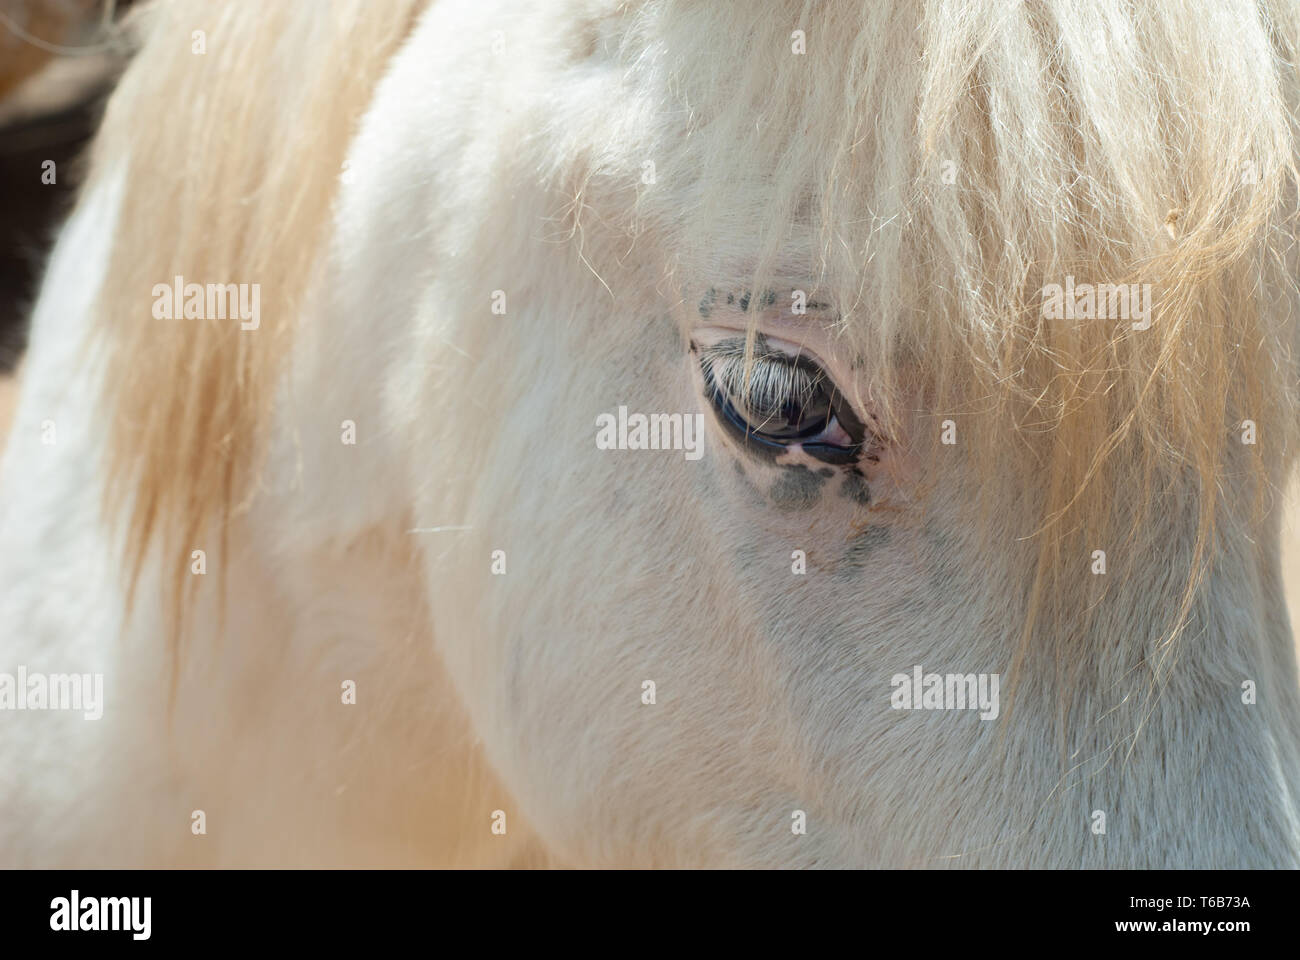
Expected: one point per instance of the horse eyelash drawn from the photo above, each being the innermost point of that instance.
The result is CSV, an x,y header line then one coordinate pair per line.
x,y
774,379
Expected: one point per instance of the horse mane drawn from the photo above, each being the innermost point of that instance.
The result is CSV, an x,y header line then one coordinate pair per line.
x,y
231,159
936,164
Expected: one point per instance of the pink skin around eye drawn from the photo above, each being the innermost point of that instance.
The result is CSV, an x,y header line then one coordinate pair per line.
x,y
835,435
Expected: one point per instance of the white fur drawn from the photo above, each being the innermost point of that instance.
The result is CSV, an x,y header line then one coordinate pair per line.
x,y
772,690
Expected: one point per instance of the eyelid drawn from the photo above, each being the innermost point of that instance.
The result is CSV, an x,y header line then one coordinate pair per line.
x,y
711,336
707,337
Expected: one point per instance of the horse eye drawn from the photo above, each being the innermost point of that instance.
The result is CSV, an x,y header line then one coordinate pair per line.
x,y
779,402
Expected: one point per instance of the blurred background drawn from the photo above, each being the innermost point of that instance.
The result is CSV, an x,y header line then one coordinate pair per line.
x,y
58,61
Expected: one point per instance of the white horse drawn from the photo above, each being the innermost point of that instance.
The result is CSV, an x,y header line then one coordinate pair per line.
x,y
988,310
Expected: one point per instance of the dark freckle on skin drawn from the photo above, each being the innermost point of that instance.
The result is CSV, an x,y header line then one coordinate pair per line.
x,y
797,488
855,488
862,546
706,304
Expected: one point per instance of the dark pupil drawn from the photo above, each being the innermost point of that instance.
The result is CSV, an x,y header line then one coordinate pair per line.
x,y
798,418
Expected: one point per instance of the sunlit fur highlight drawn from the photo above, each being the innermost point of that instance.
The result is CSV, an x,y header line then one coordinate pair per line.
x,y
233,158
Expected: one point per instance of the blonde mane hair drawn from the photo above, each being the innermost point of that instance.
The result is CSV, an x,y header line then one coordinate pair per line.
x,y
232,160
936,164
